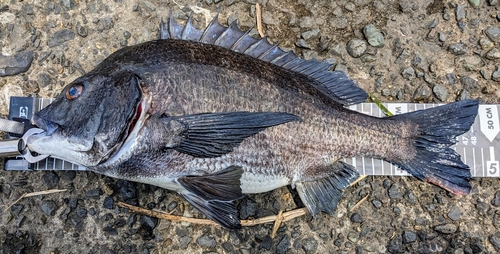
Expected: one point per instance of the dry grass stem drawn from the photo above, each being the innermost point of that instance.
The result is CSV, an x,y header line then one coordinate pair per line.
x,y
258,15
361,177
286,216
359,203
31,194
277,223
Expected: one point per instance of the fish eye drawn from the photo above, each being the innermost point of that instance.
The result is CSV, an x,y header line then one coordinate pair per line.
x,y
74,91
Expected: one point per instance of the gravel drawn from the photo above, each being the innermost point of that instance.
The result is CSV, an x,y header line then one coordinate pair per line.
x,y
448,52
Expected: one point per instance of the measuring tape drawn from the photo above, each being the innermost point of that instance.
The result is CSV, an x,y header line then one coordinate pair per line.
x,y
479,147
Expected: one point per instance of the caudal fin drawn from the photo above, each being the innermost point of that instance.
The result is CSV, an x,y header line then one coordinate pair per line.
x,y
434,160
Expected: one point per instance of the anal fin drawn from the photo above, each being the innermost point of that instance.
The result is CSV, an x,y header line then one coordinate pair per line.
x,y
323,193
214,195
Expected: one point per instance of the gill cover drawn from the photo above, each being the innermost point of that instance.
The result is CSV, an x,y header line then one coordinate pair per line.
x,y
91,117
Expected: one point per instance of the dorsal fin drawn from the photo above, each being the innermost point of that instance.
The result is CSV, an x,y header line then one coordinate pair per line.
x,y
335,84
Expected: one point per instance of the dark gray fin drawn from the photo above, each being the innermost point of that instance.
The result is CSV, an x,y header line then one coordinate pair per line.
x,y
334,84
210,135
214,194
434,160
323,193
223,185
222,212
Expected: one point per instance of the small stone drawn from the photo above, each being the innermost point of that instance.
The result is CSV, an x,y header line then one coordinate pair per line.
x,y
171,206
356,47
51,179
16,209
94,192
454,213
309,245
408,73
442,37
60,37
149,5
81,30
422,93
206,241
433,23
248,208
493,54
469,83
108,203
446,229
107,23
486,44
81,212
458,49
475,3
495,242
184,241
301,43
356,218
353,237
310,34
496,77
373,35
464,95
493,32
148,221
396,245
486,74
409,237
440,91
283,245
394,192
377,203
496,199
459,12
13,65
49,207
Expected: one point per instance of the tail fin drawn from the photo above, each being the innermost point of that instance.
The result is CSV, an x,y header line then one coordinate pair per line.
x,y
435,161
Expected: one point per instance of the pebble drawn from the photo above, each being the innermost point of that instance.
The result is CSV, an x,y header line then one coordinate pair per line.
x,y
353,237
469,83
184,241
485,43
377,203
206,241
356,218
301,43
16,209
458,49
454,213
60,37
495,76
396,245
309,245
18,63
107,23
459,12
248,208
51,179
356,47
373,35
423,93
446,228
408,73
440,91
108,203
82,212
493,32
94,192
283,245
394,192
442,37
493,54
310,34
409,237
496,199
148,221
495,242
49,207
126,190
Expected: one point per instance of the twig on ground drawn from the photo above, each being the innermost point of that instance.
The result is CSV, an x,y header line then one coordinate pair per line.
x,y
286,216
277,223
258,15
359,203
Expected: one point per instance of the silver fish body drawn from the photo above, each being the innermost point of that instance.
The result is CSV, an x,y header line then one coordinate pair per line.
x,y
213,119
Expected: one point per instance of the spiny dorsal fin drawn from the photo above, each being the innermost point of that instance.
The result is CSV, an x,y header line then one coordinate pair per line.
x,y
334,83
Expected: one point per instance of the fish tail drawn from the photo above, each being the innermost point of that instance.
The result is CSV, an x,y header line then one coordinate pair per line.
x,y
437,128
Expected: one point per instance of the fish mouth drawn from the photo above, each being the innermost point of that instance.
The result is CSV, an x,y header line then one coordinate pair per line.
x,y
130,135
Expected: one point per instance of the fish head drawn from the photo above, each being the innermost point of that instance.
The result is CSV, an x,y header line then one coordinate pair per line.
x,y
90,119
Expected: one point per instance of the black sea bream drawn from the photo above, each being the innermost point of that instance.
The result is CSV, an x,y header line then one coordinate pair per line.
x,y
216,113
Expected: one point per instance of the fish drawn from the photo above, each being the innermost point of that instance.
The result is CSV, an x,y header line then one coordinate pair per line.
x,y
215,114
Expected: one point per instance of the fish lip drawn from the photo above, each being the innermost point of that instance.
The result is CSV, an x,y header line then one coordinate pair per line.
x,y
48,126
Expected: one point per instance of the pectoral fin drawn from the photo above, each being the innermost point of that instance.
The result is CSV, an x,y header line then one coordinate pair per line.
x,y
214,134
214,195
